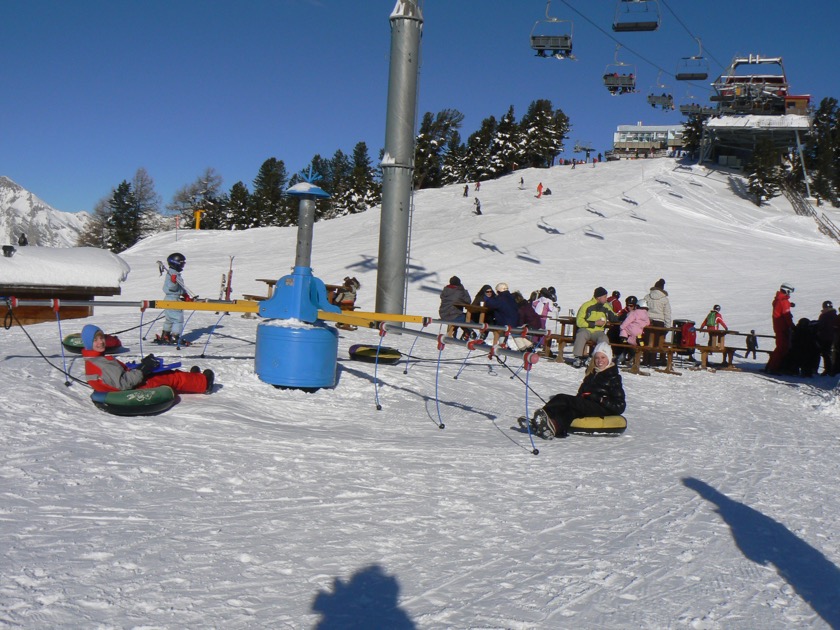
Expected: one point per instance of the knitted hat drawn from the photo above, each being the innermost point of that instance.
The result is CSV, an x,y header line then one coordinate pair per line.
x,y
604,348
660,284
455,281
600,291
88,333
502,286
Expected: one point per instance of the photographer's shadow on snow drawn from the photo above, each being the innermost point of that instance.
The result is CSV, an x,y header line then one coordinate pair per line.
x,y
367,600
766,541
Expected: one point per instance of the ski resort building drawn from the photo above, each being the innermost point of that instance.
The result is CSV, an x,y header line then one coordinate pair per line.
x,y
633,141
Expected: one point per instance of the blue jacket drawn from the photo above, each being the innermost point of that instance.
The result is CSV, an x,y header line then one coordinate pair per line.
x,y
504,308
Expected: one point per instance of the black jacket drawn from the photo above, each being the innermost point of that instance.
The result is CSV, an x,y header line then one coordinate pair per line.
x,y
604,388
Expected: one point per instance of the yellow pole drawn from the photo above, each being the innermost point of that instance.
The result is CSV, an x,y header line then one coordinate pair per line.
x,y
197,216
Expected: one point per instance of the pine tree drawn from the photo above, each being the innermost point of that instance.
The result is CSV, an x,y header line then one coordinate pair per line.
x,y
455,161
693,133
268,205
364,191
543,130
479,144
434,135
764,171
823,152
235,206
506,149
123,222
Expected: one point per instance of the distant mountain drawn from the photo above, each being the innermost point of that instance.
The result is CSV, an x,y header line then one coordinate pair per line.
x,y
23,212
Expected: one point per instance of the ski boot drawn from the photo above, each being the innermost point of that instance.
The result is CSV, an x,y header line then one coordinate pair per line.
x,y
164,338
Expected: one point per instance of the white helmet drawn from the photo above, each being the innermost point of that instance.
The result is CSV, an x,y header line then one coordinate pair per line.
x,y
787,288
642,304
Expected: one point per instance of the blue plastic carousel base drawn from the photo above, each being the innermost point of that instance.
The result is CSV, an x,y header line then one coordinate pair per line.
x,y
299,356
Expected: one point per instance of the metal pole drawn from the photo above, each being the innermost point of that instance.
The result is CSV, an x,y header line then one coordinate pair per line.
x,y
306,219
398,162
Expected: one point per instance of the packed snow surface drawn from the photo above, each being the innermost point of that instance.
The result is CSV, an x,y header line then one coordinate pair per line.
x,y
257,507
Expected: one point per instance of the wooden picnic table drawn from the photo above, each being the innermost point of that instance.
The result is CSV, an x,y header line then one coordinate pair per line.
x,y
474,308
271,283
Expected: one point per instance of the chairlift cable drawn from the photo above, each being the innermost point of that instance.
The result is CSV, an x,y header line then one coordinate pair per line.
x,y
692,35
631,50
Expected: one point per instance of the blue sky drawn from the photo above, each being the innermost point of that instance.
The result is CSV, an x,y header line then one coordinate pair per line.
x,y
95,89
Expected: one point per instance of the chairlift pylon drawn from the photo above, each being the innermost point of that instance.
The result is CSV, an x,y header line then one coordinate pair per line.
x,y
637,15
620,77
552,37
694,68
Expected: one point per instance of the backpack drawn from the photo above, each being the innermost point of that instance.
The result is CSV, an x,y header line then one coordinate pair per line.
x,y
688,335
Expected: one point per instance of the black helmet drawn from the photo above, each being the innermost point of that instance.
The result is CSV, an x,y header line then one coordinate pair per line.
x,y
176,261
828,304
716,308
616,294
631,300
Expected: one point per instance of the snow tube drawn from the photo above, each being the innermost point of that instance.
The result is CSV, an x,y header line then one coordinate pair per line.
x,y
594,424
73,343
135,402
361,352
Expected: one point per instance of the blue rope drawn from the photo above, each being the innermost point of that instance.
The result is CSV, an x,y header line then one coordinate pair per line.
x,y
463,365
408,356
212,330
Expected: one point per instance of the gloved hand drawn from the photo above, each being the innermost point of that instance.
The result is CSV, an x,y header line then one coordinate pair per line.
x,y
148,364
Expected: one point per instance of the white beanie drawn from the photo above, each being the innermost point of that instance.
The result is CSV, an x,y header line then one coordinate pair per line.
x,y
502,286
605,348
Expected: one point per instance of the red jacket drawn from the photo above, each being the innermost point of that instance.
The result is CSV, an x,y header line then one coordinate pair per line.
x,y
782,317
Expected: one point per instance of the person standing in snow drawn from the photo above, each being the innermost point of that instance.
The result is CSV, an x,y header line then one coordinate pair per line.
x,y
600,394
659,310
452,298
174,290
466,190
714,320
23,241
827,334
477,206
782,328
107,374
539,190
752,345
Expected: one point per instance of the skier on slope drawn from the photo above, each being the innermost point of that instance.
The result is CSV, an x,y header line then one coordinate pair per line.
x,y
174,290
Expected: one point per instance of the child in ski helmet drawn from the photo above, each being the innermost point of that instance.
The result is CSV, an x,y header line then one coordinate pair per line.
x,y
174,290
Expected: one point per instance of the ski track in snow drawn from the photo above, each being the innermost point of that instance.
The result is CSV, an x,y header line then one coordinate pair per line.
x,y
254,506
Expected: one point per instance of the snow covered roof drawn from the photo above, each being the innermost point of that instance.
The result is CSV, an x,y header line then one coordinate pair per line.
x,y
792,122
62,267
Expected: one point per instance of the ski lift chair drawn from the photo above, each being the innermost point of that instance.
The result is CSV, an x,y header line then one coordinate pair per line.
x,y
552,37
644,17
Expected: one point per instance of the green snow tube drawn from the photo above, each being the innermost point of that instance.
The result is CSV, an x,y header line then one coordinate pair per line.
x,y
136,402
362,352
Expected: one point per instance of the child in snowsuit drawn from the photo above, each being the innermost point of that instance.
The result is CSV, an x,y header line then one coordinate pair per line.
x,y
634,324
107,374
752,345
600,394
175,291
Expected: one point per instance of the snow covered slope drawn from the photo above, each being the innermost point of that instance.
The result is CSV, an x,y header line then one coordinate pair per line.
x,y
257,507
